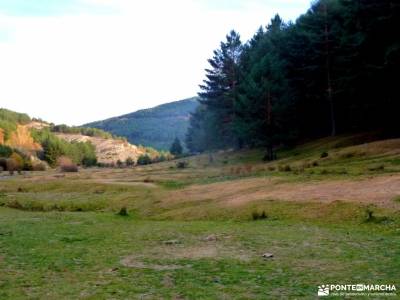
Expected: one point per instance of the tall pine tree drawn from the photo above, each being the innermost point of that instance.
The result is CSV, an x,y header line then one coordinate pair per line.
x,y
219,90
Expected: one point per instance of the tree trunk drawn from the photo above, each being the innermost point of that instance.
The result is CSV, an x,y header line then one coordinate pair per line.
x,y
270,154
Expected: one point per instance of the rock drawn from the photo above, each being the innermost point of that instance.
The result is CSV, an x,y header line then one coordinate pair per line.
x,y
210,238
267,255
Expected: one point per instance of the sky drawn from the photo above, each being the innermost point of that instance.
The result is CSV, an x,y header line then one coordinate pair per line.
x,y
77,61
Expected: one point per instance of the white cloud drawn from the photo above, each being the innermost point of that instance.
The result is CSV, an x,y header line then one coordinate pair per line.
x,y
84,67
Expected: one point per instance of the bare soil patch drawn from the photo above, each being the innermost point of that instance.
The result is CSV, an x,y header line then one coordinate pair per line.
x,y
135,262
380,190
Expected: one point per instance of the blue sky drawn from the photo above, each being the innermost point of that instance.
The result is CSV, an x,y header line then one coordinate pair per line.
x,y
47,7
75,61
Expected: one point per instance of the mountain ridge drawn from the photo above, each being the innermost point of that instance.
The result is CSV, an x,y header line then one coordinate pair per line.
x,y
155,127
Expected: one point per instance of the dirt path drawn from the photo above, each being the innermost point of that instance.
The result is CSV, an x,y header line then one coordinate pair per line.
x,y
379,190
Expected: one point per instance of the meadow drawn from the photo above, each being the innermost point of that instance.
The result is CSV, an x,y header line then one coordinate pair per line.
x,y
325,212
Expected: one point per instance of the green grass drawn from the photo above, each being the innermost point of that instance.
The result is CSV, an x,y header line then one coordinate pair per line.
x,y
81,255
61,236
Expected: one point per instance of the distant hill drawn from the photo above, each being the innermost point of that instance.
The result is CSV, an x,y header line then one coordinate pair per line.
x,y
34,139
154,127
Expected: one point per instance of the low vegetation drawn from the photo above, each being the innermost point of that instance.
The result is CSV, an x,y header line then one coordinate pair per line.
x,y
89,234
9,121
82,153
88,131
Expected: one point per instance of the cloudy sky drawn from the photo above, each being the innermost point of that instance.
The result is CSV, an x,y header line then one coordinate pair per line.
x,y
75,61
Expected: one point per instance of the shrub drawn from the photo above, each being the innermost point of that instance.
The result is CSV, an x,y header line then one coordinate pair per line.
x,y
39,166
5,151
28,166
324,154
144,159
369,215
148,180
176,147
120,164
123,212
54,147
129,162
161,158
285,168
12,166
271,168
263,215
69,168
182,164
3,163
19,161
66,164
257,216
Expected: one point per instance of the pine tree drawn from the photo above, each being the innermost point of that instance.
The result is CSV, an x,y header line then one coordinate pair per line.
x,y
262,96
219,90
176,147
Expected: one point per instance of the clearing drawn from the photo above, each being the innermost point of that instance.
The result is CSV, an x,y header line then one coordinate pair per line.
x,y
200,232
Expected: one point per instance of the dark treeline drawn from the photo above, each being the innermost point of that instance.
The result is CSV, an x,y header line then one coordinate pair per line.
x,y
333,71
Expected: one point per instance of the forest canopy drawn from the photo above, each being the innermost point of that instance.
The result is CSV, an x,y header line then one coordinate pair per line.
x,y
332,71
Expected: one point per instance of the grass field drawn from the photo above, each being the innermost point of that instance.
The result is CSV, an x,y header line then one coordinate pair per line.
x,y
200,232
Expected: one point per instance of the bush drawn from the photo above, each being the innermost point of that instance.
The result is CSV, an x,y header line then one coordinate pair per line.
x,y
12,166
5,151
123,212
257,216
285,168
66,164
182,164
129,162
54,147
19,161
120,164
3,163
144,159
69,168
324,154
176,147
315,164
39,166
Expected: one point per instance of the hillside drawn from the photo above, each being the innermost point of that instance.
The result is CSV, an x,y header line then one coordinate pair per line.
x,y
154,127
35,139
108,151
